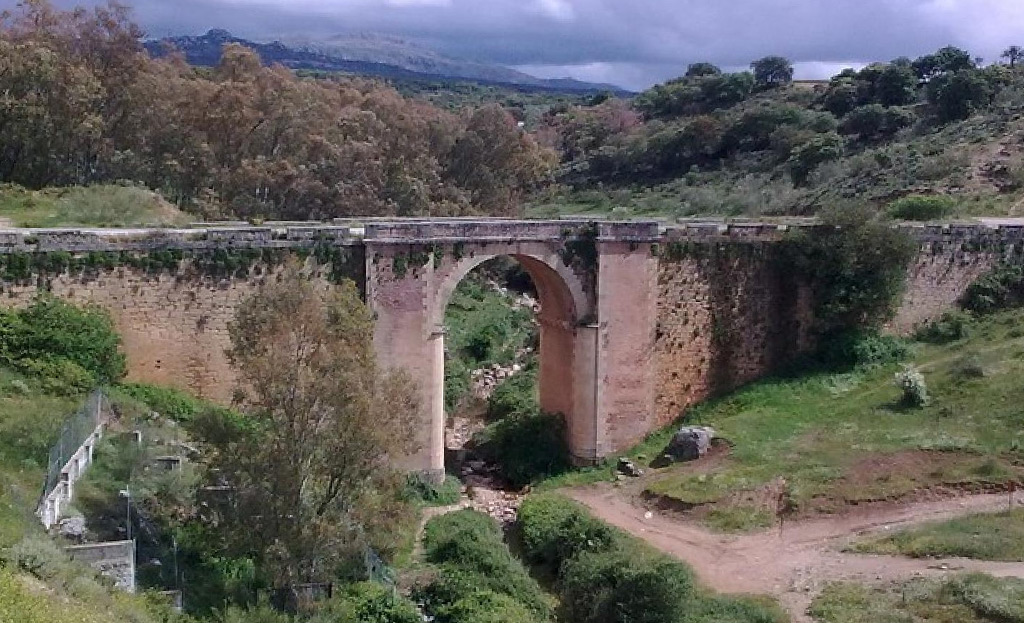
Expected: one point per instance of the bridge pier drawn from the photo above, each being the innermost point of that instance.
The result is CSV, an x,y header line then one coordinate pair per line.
x,y
597,290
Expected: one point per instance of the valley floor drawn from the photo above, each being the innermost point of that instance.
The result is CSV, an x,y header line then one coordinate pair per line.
x,y
796,562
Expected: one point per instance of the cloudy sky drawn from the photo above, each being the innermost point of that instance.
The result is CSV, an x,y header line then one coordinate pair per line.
x,y
633,43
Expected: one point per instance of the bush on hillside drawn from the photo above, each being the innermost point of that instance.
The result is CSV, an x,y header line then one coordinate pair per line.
x,y
555,529
63,343
420,489
853,348
613,586
367,602
950,327
806,158
914,388
607,577
467,603
922,207
527,446
856,266
1000,288
469,549
168,402
516,395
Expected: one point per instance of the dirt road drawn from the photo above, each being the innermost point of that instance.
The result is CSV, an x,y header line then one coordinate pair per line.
x,y
795,564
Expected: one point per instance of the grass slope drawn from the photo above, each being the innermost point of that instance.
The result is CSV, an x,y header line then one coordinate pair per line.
x,y
978,163
38,584
844,439
93,206
995,536
974,598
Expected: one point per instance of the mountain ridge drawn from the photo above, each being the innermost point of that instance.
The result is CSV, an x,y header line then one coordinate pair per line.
x,y
390,58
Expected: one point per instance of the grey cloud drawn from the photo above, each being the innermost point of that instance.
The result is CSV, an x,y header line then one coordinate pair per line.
x,y
634,42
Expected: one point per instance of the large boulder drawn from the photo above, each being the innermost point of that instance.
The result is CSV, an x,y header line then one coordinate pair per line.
x,y
690,443
629,468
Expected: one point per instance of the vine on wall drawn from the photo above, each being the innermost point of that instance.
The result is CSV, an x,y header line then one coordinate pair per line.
x,y
25,267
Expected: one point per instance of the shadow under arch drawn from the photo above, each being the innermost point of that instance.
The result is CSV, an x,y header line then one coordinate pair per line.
x,y
563,302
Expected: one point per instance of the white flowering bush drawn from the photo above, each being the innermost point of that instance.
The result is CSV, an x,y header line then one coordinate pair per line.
x,y
915,390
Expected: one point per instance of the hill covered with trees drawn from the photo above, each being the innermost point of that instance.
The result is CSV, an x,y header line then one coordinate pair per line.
x,y
83,103
757,143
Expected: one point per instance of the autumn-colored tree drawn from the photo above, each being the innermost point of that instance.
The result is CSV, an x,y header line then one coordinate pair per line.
x,y
496,161
81,102
322,425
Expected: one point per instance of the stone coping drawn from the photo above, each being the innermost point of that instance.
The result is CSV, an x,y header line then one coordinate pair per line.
x,y
413,231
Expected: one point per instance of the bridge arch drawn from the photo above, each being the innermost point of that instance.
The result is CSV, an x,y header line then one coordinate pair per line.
x,y
564,380
597,287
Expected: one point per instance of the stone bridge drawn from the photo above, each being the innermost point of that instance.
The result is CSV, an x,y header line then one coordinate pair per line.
x,y
638,319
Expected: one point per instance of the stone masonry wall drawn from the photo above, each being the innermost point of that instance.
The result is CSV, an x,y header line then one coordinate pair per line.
x,y
951,259
174,327
726,313
726,316
173,312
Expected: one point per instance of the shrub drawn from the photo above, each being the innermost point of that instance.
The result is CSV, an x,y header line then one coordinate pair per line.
x,y
968,367
922,207
848,349
256,614
50,332
912,383
168,402
484,606
527,446
516,395
422,490
1000,288
57,375
468,546
817,151
856,266
555,529
367,602
600,587
950,327
39,556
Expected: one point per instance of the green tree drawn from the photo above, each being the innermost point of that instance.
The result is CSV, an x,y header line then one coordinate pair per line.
x,y
1013,55
856,265
896,85
323,424
772,71
809,156
76,346
947,60
958,95
699,70
841,96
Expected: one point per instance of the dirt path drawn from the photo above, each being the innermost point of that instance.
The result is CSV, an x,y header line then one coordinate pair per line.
x,y
793,565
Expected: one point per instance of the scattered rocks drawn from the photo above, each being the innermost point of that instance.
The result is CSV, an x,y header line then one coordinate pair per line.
x,y
629,468
690,443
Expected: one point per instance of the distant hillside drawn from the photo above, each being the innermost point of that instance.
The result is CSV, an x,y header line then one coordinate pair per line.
x,y
933,138
369,55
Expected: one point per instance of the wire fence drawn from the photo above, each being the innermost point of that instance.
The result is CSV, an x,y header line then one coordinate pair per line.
x,y
75,431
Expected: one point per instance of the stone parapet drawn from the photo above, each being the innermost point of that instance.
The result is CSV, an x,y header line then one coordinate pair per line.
x,y
426,231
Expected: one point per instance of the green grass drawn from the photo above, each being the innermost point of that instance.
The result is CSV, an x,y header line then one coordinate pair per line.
x,y
974,598
995,536
29,423
483,329
739,518
93,206
841,439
